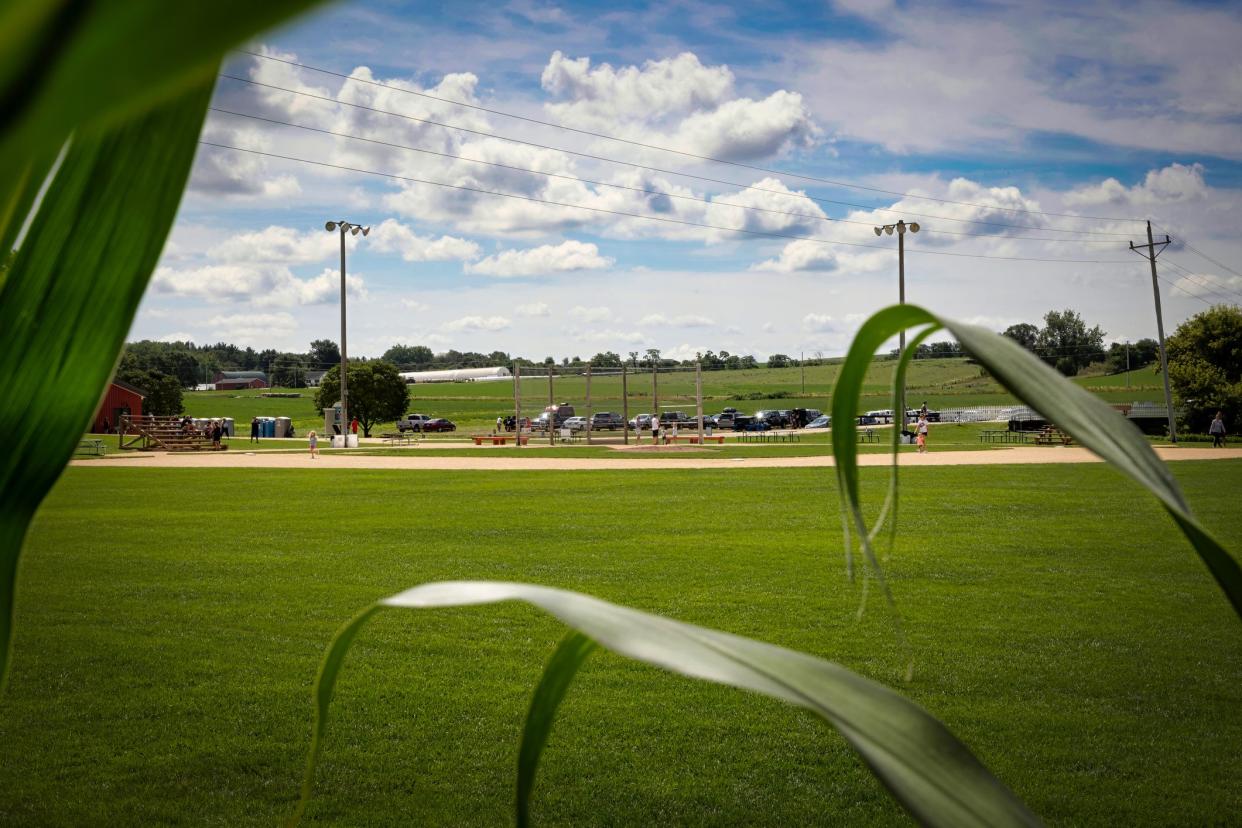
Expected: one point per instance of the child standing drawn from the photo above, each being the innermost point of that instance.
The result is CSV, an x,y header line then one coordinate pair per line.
x,y
921,439
314,445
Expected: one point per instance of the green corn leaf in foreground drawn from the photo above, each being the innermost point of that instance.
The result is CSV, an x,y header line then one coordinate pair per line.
x,y
933,775
1091,422
70,297
124,85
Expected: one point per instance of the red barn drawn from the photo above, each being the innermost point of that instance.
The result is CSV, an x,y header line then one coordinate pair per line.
x,y
122,398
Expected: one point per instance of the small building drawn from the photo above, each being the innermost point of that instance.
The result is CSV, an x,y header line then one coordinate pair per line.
x,y
120,398
233,380
458,375
313,378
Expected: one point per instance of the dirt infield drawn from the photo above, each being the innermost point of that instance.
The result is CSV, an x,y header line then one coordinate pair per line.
x,y
244,460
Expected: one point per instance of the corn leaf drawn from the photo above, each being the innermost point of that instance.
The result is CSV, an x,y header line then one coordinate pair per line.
x,y
933,775
1087,419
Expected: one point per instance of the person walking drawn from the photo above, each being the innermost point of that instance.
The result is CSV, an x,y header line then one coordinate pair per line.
x,y
314,445
500,425
254,430
353,426
1217,430
922,434
215,434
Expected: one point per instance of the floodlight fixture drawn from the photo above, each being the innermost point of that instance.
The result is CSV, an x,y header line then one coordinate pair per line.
x,y
879,230
330,226
914,226
888,228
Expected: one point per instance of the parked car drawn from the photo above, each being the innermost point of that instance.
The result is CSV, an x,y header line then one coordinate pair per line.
x,y
668,418
412,422
607,421
575,424
725,419
822,421
774,418
741,421
641,422
755,425
439,424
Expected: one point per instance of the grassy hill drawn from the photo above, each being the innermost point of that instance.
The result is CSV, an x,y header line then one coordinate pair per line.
x,y
943,383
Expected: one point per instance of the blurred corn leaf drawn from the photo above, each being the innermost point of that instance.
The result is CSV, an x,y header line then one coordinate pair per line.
x,y
101,105
933,775
1091,422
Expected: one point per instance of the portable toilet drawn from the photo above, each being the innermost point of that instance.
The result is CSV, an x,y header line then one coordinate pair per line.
x,y
228,427
332,420
284,425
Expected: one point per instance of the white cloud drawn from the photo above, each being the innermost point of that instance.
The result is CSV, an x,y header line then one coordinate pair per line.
x,y
281,245
477,323
818,323
565,257
1174,183
801,255
412,305
392,236
247,328
533,309
680,321
676,102
177,336
1209,286
683,351
596,314
261,285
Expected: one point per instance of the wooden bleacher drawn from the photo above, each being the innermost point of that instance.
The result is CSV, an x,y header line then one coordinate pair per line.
x,y
143,433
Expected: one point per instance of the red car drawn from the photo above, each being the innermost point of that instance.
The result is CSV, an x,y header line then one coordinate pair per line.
x,y
438,424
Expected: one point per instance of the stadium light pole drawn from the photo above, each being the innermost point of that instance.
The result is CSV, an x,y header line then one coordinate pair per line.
x,y
345,227
901,227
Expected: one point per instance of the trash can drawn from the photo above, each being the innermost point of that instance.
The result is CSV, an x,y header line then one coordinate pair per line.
x,y
338,441
351,441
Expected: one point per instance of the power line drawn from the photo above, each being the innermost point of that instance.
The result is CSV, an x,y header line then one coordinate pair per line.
x,y
662,170
665,220
696,156
1204,283
643,190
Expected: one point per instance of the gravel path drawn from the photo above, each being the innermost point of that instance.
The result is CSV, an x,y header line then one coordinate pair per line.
x,y
509,462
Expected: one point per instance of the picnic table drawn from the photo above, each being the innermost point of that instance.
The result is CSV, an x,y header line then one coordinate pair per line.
x,y
499,439
694,438
91,445
1051,436
990,435
400,437
768,437
867,435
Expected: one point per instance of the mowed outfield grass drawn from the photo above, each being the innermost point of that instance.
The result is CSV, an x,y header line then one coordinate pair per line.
x,y
474,406
170,624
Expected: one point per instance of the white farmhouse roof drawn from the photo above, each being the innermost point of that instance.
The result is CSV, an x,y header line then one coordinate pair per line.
x,y
458,375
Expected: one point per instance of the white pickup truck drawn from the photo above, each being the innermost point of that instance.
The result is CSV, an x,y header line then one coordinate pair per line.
x,y
412,422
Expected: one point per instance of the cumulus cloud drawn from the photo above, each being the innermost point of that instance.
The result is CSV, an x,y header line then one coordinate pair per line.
x,y
533,309
477,323
413,305
683,351
263,285
818,323
676,102
565,257
1171,184
392,236
283,245
597,314
688,320
251,327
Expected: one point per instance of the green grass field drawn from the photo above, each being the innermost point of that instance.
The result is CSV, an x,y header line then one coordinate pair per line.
x,y
943,383
170,624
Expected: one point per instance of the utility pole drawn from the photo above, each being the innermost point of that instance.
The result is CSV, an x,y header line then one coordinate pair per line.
x,y
1151,255
802,364
1127,364
517,404
625,407
344,227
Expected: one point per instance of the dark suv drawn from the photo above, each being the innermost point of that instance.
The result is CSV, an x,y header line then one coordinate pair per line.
x,y
774,419
671,417
607,420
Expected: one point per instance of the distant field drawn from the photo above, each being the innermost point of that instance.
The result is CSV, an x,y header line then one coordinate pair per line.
x,y
943,383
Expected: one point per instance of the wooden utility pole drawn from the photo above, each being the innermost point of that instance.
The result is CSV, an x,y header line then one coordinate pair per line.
x,y
655,398
551,413
588,403
698,397
1151,254
625,408
802,364
517,405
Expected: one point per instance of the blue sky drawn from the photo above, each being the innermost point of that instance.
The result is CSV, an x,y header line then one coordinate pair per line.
x,y
1003,112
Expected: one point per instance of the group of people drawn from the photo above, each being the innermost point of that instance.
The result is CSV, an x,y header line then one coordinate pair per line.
x,y
214,429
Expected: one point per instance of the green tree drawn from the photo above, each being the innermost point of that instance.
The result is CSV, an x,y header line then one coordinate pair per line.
x,y
1025,334
606,360
289,371
778,361
1068,343
161,392
415,356
324,353
1205,367
1141,353
376,392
